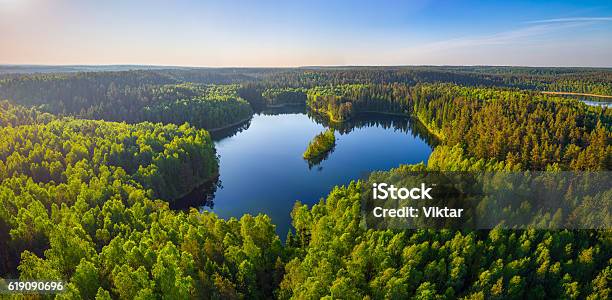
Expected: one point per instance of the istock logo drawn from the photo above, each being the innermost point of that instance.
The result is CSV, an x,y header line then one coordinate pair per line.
x,y
381,192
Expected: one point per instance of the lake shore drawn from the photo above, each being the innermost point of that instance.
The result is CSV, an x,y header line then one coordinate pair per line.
x,y
284,105
230,125
577,94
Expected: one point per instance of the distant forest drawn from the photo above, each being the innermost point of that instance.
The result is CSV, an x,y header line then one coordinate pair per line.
x,y
90,161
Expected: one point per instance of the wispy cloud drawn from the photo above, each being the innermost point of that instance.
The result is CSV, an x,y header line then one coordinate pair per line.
x,y
536,29
501,38
571,20
541,42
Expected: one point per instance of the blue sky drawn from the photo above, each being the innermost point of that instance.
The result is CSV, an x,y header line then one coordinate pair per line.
x,y
298,33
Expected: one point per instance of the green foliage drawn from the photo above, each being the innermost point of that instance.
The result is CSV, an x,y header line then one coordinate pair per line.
x,y
201,112
15,115
131,97
582,80
284,96
334,101
204,106
524,129
336,256
87,201
343,102
170,160
76,204
520,128
481,129
102,95
320,144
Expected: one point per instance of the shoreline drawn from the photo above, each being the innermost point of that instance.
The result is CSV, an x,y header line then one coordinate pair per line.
x,y
230,125
431,131
385,113
284,105
174,202
250,117
415,118
577,94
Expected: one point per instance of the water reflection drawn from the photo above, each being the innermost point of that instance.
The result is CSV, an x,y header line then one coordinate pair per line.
x,y
231,131
398,123
281,110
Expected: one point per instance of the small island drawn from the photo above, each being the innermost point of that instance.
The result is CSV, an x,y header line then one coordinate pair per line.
x,y
321,145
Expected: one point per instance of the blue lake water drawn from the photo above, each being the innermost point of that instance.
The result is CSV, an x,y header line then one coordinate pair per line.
x,y
262,170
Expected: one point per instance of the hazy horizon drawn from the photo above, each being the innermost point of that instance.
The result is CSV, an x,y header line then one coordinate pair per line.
x,y
289,67
213,34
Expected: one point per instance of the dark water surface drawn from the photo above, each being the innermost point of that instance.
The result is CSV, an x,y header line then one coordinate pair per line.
x,y
262,170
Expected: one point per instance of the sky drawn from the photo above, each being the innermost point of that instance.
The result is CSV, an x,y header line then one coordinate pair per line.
x,y
288,33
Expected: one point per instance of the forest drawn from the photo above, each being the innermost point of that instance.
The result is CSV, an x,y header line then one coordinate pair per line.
x,y
532,130
91,161
343,102
129,96
284,96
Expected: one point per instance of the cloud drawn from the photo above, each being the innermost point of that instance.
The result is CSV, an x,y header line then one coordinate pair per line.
x,y
535,43
500,38
571,20
539,28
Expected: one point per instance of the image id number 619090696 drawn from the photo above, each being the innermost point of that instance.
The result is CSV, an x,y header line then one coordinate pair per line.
x,y
14,286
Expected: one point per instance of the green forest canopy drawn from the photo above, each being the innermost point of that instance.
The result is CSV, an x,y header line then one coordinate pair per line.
x,y
86,201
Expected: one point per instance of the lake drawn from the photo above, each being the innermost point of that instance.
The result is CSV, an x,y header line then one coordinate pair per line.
x,y
262,170
596,102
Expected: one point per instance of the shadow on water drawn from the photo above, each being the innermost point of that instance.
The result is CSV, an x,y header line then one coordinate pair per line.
x,y
230,131
203,196
315,162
